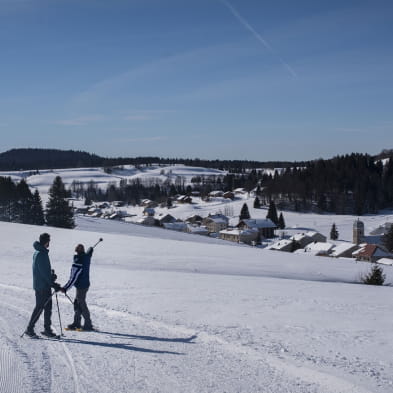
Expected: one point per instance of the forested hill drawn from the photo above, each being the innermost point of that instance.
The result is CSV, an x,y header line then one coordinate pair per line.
x,y
24,159
31,159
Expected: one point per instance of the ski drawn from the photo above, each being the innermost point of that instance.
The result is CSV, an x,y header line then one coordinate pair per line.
x,y
43,337
81,330
51,337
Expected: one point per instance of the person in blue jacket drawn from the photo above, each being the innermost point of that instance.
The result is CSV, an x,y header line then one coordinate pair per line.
x,y
80,278
43,280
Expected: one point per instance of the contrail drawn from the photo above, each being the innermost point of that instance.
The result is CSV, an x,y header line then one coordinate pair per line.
x,y
258,36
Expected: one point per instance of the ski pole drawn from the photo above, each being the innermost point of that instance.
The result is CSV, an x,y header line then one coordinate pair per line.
x,y
99,241
65,294
58,311
35,319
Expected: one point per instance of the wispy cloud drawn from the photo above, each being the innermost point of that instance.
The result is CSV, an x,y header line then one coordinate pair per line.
x,y
146,114
80,121
236,14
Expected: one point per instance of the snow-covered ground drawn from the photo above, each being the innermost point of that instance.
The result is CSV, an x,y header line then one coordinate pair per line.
x,y
195,316
44,179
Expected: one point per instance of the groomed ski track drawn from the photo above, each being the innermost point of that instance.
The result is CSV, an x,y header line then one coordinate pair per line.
x,y
134,353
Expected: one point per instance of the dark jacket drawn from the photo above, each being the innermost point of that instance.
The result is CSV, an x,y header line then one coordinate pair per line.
x,y
80,271
42,276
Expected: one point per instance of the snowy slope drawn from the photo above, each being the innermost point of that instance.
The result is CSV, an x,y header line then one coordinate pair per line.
x,y
44,179
180,316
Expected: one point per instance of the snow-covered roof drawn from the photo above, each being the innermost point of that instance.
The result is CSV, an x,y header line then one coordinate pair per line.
x,y
341,248
238,231
319,246
312,234
386,261
197,229
279,245
259,223
298,236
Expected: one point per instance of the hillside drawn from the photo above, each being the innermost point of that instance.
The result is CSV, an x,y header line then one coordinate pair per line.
x,y
180,316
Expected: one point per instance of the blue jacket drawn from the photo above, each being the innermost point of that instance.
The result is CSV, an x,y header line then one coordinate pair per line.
x,y
42,275
80,271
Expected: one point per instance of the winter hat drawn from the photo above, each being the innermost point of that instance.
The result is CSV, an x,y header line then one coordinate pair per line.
x,y
44,238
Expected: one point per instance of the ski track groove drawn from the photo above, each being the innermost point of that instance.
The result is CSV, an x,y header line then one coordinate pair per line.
x,y
46,357
315,379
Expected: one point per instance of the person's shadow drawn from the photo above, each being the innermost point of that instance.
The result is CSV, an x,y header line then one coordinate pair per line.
x,y
129,347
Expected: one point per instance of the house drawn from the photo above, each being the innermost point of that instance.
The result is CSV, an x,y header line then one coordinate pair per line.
x,y
166,219
195,219
215,223
147,220
343,250
371,253
316,236
179,226
149,211
148,203
248,236
184,199
229,195
216,194
319,248
197,229
302,239
282,245
81,210
94,211
240,191
265,227
386,261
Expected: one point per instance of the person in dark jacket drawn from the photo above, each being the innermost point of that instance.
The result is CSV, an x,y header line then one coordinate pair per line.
x,y
43,280
80,278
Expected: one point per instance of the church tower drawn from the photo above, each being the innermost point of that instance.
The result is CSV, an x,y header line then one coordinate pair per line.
x,y
358,231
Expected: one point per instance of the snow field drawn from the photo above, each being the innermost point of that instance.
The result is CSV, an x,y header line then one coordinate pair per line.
x,y
178,315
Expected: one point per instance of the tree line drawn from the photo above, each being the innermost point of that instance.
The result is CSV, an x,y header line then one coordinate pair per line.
x,y
18,204
35,159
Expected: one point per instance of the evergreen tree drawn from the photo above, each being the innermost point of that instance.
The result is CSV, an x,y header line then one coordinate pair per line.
x,y
387,239
281,221
257,203
37,212
169,203
24,201
7,199
334,232
244,213
58,212
375,277
272,212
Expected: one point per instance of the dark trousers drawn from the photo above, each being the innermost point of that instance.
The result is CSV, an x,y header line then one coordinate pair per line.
x,y
42,297
80,308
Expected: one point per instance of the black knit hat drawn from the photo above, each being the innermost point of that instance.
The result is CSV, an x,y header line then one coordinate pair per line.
x,y
44,238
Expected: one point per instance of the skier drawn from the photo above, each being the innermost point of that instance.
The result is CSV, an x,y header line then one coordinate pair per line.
x,y
80,278
43,280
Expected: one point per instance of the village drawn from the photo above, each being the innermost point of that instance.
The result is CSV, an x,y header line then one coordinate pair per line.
x,y
258,232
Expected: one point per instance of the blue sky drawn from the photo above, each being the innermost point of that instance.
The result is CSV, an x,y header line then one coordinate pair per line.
x,y
226,79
